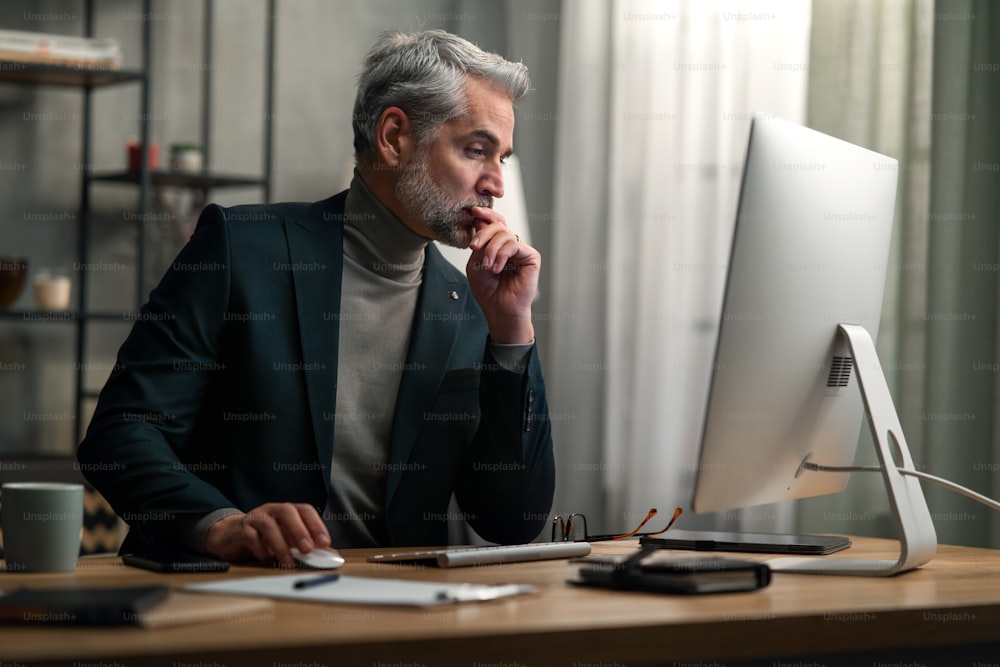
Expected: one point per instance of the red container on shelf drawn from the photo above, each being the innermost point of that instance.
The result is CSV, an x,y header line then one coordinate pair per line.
x,y
135,155
13,273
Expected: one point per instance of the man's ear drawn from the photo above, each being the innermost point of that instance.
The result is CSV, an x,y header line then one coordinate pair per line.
x,y
394,137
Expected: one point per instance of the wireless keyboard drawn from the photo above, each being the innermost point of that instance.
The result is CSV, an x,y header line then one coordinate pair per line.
x,y
489,555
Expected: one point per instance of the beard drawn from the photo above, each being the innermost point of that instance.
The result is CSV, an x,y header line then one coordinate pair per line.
x,y
446,220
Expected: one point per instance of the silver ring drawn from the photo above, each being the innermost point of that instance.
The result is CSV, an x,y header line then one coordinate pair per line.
x,y
516,236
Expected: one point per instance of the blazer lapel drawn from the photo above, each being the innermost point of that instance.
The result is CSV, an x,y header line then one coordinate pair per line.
x,y
316,254
435,331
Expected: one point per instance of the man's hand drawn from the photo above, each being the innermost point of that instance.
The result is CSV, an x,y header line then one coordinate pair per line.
x,y
503,274
267,532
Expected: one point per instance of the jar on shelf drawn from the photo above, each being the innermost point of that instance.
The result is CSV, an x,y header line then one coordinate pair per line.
x,y
52,289
187,158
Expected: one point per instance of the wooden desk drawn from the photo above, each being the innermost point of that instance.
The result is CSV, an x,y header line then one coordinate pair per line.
x,y
954,600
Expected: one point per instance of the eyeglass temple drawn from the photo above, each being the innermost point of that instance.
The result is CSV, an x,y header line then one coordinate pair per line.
x,y
677,513
649,515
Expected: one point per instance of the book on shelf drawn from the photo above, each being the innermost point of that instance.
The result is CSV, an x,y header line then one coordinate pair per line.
x,y
65,50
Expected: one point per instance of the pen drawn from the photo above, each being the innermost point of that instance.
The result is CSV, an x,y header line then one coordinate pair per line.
x,y
316,581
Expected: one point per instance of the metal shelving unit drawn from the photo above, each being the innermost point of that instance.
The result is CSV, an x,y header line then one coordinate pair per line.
x,y
90,80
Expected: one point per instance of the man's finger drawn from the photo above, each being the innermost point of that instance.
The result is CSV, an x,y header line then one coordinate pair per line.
x,y
487,223
251,539
504,252
486,214
293,528
314,524
270,532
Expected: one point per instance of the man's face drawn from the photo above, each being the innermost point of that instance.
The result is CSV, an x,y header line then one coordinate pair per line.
x,y
458,168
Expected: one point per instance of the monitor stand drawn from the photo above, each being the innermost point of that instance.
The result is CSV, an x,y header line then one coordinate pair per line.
x,y
917,538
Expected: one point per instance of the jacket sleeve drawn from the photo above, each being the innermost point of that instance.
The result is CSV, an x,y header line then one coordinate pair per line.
x,y
508,479
151,402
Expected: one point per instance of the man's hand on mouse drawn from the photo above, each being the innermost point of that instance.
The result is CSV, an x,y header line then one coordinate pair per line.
x,y
503,274
268,532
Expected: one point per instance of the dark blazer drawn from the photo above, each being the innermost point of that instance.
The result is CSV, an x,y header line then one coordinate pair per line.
x,y
224,392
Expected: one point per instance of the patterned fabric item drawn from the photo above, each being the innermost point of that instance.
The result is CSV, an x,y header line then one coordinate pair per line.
x,y
102,530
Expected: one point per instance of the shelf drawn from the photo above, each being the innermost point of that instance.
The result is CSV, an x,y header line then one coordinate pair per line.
x,y
14,71
22,465
127,316
68,316
177,179
40,315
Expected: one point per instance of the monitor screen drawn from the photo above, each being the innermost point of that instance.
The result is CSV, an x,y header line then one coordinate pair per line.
x,y
810,251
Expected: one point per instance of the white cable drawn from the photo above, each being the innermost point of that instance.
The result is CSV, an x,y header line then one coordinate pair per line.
x,y
969,493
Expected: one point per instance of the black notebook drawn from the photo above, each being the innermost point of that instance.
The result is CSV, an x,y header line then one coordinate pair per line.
x,y
80,606
664,572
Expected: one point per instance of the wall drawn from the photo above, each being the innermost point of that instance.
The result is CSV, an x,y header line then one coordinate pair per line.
x,y
319,47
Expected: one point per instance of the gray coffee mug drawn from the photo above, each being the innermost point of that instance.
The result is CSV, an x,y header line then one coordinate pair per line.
x,y
41,524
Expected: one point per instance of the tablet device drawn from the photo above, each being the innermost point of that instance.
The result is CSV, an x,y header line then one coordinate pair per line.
x,y
73,605
772,543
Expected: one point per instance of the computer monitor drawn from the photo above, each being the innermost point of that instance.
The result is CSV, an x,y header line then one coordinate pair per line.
x,y
795,365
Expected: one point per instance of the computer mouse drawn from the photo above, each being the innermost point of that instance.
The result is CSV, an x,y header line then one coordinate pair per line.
x,y
321,559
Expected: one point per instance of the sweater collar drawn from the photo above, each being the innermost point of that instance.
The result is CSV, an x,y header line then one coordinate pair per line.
x,y
378,241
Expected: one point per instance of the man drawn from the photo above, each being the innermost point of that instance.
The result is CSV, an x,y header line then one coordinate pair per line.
x,y
318,375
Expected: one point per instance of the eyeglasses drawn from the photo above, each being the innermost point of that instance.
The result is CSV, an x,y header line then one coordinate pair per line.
x,y
563,528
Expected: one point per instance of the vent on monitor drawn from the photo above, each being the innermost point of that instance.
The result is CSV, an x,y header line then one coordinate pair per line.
x,y
840,371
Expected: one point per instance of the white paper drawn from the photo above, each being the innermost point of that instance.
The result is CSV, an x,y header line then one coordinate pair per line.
x,y
359,590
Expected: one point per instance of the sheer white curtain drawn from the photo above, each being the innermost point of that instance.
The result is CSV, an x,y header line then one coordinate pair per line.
x,y
654,106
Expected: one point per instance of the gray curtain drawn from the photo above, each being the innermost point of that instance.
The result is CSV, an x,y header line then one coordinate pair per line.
x,y
960,430
917,80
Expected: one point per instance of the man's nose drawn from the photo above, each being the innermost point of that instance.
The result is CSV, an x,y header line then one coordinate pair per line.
x,y
491,184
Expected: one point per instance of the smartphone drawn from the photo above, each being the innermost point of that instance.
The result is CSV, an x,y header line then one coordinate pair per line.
x,y
176,562
706,540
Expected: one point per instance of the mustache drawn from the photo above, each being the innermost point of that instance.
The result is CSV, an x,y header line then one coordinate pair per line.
x,y
486,201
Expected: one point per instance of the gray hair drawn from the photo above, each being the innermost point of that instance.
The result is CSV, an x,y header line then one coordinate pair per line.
x,y
424,74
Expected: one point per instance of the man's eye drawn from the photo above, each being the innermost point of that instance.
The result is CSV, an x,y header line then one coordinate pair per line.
x,y
476,152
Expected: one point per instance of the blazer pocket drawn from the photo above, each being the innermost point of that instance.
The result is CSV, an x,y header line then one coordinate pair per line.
x,y
460,379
